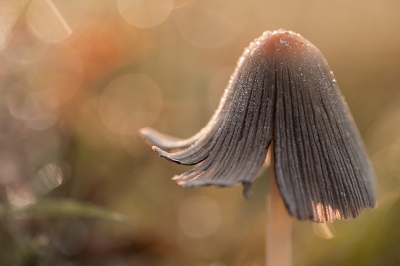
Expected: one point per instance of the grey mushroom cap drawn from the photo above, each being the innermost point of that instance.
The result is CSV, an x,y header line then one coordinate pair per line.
x,y
282,92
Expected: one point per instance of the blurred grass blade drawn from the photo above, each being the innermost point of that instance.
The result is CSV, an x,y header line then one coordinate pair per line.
x,y
60,208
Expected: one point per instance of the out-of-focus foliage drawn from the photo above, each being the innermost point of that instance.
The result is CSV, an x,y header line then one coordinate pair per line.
x,y
59,208
79,78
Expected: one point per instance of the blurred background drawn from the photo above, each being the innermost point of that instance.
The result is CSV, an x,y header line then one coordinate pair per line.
x,y
78,79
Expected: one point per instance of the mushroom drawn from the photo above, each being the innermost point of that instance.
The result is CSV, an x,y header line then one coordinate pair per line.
x,y
281,92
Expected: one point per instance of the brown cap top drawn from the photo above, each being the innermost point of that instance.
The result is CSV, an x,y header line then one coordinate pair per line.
x,y
282,41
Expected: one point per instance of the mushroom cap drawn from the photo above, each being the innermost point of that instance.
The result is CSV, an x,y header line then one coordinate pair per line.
x,y
282,92
281,42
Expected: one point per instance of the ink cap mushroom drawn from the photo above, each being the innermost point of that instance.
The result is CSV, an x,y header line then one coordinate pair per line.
x,y
282,93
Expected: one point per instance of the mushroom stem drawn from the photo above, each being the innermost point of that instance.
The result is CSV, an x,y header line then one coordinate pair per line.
x,y
278,227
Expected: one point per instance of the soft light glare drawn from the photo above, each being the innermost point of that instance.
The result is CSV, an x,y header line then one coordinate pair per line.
x,y
9,12
199,217
383,140
46,21
20,197
37,111
24,49
145,13
129,103
211,23
324,230
59,73
47,178
181,3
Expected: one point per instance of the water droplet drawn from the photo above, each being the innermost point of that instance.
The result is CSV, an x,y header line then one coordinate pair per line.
x,y
286,43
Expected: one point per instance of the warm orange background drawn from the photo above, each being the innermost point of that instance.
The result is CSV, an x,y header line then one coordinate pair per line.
x,y
79,78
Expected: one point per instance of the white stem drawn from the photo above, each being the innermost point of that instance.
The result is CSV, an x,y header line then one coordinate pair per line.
x,y
278,228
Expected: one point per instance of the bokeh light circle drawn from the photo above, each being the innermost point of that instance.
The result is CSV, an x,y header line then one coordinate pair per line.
x,y
24,49
211,23
199,216
46,22
9,11
55,20
91,128
181,3
130,103
145,13
59,73
38,112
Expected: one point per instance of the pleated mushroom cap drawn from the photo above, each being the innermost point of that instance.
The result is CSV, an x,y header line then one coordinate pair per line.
x,y
282,92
